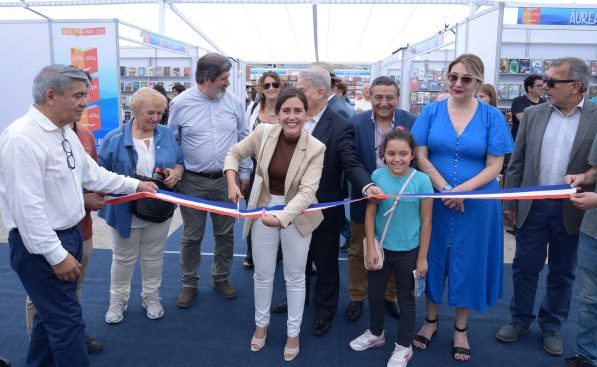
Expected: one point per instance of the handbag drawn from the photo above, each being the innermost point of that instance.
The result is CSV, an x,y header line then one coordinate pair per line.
x,y
151,210
379,244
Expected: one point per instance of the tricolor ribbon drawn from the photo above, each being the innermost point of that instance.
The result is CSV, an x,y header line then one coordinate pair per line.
x,y
231,209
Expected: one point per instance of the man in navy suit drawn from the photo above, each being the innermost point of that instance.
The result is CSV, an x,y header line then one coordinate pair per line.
x,y
337,133
370,128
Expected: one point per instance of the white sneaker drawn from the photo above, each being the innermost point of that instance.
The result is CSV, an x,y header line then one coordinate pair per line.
x,y
368,340
152,304
400,356
116,311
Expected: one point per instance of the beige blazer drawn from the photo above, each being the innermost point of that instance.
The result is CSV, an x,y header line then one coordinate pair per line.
x,y
302,178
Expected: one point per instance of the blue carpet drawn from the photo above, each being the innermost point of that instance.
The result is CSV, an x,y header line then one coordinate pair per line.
x,y
216,332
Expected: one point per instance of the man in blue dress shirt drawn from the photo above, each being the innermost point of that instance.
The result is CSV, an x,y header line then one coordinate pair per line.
x,y
207,121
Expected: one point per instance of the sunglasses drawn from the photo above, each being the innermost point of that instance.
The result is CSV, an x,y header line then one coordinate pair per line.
x,y
464,80
274,85
551,83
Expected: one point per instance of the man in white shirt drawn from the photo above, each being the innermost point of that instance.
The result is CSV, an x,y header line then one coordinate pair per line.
x,y
364,104
43,170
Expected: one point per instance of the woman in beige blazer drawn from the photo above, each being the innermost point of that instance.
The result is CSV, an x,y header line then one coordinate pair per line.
x,y
289,165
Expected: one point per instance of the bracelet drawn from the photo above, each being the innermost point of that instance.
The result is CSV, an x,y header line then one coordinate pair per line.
x,y
447,188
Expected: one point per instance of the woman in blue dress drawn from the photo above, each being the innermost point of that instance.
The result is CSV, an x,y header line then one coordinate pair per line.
x,y
461,143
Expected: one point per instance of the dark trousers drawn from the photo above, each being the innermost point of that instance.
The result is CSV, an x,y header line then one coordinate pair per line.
x,y
543,225
323,251
58,334
402,264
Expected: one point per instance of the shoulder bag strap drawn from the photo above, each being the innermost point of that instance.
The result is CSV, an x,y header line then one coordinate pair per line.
x,y
390,212
132,158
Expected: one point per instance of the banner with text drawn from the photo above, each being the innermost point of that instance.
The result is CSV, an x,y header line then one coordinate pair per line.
x,y
558,16
93,47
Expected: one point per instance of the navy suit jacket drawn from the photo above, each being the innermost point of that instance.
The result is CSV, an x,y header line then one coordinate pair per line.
x,y
337,133
340,108
365,146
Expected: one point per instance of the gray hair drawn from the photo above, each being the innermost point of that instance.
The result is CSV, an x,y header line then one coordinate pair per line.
x,y
384,80
58,78
210,66
579,70
317,76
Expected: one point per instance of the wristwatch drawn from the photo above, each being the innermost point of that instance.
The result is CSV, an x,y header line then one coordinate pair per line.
x,y
448,187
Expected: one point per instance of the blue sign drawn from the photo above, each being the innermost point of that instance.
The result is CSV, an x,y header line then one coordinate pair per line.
x,y
164,42
558,16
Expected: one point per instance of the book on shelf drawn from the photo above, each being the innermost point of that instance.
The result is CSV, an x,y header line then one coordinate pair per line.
x,y
121,85
413,84
524,66
150,71
423,85
435,85
513,66
135,86
594,67
513,91
504,65
412,97
141,71
502,91
128,87
433,96
420,97
143,84
187,85
158,71
151,84
123,71
426,97
166,70
132,71
186,71
414,108
547,64
537,66
175,71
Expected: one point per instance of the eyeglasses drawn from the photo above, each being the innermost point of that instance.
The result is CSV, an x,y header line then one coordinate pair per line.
x,y
551,83
266,86
70,158
465,80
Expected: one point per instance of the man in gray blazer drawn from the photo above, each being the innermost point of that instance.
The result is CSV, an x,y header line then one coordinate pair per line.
x,y
554,140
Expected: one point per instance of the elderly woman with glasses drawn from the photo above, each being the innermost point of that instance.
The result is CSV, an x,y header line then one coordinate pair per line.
x,y
142,147
461,145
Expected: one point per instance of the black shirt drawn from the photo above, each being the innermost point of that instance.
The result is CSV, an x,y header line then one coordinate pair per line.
x,y
519,104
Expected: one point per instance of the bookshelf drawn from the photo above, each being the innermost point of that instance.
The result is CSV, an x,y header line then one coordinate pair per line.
x,y
513,71
425,83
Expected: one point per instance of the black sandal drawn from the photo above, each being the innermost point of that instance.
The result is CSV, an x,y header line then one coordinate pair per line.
x,y
423,340
461,350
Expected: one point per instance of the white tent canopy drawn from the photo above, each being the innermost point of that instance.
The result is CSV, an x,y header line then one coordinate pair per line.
x,y
275,31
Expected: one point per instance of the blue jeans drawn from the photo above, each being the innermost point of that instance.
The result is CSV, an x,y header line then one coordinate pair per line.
x,y
58,334
586,340
543,225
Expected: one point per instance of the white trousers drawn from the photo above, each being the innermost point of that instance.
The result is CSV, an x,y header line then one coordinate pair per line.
x,y
295,248
146,242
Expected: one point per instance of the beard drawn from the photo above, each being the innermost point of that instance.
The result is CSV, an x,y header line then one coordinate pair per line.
x,y
220,94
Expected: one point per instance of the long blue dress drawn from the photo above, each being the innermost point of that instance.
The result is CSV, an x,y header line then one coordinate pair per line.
x,y
467,248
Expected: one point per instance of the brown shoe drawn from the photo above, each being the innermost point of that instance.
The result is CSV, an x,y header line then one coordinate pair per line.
x,y
225,289
186,297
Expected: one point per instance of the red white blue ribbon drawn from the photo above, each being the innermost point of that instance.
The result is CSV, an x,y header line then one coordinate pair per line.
x,y
231,210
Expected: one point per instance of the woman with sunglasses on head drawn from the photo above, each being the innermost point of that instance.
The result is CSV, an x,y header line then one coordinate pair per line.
x,y
262,111
461,145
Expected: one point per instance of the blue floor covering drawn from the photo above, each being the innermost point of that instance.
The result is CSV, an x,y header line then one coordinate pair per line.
x,y
216,332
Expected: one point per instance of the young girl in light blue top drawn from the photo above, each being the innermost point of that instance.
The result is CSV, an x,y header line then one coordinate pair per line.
x,y
405,243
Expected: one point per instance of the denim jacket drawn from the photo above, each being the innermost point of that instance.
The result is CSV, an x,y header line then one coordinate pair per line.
x,y
113,155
